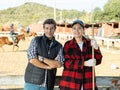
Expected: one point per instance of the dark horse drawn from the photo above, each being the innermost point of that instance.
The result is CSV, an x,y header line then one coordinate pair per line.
x,y
18,38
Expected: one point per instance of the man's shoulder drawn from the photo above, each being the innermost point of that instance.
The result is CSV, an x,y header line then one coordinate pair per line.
x,y
38,37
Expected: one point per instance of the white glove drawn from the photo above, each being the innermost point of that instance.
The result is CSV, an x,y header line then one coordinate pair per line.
x,y
94,43
90,62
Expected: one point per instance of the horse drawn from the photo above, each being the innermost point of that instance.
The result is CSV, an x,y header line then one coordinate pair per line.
x,y
18,38
28,34
24,32
33,34
6,27
4,41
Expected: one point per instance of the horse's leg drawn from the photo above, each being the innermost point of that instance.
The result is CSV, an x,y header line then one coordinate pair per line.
x,y
13,47
17,48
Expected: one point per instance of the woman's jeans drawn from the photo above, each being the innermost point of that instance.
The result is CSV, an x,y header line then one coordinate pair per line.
x,y
29,86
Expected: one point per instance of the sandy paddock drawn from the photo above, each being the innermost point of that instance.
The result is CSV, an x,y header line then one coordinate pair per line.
x,y
14,63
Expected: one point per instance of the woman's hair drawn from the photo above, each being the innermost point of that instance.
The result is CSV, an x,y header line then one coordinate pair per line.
x,y
49,21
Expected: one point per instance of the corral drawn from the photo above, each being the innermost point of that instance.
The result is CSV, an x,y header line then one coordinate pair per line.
x,y
13,65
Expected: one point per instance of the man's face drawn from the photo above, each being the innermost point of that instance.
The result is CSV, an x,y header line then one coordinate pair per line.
x,y
49,30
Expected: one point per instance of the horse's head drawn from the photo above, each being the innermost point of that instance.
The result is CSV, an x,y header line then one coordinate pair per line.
x,y
33,34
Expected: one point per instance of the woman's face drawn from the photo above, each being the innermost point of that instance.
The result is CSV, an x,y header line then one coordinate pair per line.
x,y
49,30
77,30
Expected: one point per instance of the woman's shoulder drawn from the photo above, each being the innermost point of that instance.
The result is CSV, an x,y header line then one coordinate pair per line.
x,y
69,42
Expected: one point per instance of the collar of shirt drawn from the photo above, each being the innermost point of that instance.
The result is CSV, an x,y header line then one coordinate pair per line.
x,y
48,41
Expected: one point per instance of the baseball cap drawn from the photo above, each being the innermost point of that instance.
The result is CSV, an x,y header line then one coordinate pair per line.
x,y
79,22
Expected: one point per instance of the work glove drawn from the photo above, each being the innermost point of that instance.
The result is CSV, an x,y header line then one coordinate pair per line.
x,y
94,43
90,62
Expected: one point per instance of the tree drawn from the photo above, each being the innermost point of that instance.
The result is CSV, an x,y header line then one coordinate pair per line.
x,y
112,10
97,15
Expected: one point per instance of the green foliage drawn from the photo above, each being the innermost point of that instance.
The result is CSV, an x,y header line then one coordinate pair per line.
x,y
112,10
32,12
96,15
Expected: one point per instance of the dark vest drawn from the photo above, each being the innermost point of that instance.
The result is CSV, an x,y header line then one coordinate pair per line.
x,y
36,75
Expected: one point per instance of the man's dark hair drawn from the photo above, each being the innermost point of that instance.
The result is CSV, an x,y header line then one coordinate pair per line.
x,y
49,21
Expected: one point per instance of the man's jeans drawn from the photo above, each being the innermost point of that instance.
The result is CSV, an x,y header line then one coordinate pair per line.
x,y
14,38
29,86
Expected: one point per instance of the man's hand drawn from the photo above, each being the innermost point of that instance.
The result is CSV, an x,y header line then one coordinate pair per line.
x,y
90,62
48,67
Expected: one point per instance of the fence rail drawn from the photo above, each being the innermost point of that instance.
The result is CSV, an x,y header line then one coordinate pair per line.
x,y
10,82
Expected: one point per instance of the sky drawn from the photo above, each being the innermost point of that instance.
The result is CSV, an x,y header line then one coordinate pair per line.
x,y
80,5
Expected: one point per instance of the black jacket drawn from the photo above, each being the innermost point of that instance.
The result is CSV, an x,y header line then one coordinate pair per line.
x,y
36,75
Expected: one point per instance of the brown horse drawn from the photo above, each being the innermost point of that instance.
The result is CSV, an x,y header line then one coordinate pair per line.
x,y
33,34
18,38
28,34
4,40
6,27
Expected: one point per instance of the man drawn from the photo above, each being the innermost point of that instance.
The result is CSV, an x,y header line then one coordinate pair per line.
x,y
28,30
12,34
44,56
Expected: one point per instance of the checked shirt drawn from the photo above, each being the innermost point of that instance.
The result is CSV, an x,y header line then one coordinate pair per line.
x,y
75,74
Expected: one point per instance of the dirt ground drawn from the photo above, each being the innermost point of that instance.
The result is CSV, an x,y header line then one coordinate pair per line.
x,y
14,63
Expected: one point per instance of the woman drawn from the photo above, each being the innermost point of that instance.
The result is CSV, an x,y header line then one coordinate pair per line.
x,y
77,72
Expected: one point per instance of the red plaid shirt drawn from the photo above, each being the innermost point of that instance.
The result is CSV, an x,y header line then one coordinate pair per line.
x,y
75,73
